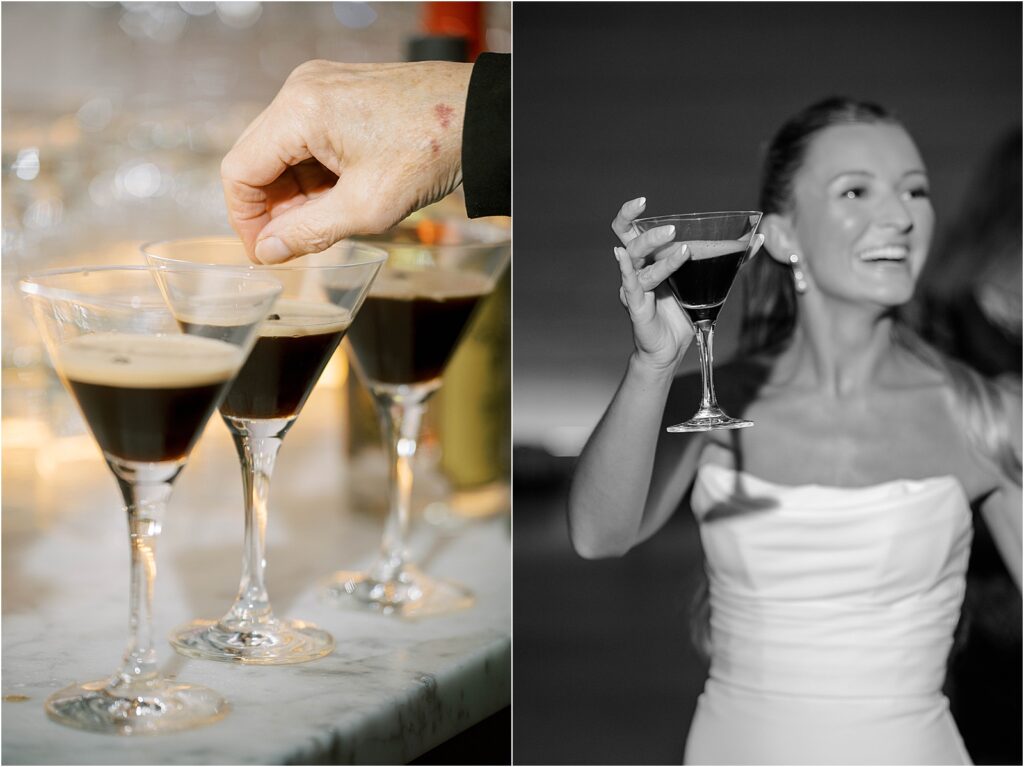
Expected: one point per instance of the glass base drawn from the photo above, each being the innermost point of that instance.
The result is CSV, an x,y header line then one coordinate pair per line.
x,y
271,644
709,422
412,594
163,707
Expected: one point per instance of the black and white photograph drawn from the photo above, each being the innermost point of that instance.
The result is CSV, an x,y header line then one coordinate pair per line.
x,y
814,556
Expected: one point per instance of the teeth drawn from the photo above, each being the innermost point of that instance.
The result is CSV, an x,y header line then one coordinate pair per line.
x,y
887,253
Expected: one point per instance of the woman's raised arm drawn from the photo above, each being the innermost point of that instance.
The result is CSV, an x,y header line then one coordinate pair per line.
x,y
616,499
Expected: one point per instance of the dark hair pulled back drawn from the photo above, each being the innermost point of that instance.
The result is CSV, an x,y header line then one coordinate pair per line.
x,y
770,300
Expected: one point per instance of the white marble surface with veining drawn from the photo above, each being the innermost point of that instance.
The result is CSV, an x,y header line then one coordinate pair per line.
x,y
391,690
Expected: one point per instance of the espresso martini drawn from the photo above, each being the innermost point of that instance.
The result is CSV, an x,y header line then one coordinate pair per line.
x,y
293,347
411,322
147,397
703,282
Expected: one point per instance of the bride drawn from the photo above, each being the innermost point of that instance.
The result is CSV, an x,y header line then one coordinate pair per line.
x,y
836,531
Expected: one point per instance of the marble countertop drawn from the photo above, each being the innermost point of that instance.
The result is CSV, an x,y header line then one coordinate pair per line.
x,y
392,689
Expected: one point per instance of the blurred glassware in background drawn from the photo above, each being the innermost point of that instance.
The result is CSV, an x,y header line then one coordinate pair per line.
x,y
115,119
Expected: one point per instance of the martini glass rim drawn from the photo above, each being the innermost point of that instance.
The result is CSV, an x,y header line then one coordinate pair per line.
x,y
482,245
34,284
699,216
369,255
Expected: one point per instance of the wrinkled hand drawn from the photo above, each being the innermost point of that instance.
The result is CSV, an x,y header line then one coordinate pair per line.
x,y
345,149
661,330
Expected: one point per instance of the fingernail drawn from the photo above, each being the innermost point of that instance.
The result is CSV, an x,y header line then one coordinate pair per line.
x,y
641,201
670,231
272,251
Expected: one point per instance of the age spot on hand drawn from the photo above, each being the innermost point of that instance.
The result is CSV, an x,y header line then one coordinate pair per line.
x,y
444,114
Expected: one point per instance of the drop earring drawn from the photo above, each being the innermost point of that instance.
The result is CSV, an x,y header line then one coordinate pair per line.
x,y
798,274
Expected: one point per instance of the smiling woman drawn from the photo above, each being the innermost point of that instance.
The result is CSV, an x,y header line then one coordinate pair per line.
x,y
845,196
836,530
865,214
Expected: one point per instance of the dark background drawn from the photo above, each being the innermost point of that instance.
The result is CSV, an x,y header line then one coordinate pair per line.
x,y
676,102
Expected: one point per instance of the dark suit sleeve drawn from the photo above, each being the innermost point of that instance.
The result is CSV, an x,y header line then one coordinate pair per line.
x,y
487,137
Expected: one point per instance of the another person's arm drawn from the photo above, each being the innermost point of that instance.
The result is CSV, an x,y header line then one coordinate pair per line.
x,y
354,148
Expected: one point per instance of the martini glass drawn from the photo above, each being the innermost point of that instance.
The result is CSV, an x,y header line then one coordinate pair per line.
x,y
414,316
718,244
145,390
320,297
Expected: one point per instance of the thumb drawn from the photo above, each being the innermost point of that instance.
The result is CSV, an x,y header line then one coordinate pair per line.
x,y
756,245
319,223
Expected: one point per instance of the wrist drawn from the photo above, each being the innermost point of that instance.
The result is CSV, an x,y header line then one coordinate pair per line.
x,y
650,370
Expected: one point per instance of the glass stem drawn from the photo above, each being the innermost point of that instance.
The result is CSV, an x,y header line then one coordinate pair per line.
x,y
257,444
146,489
401,416
705,345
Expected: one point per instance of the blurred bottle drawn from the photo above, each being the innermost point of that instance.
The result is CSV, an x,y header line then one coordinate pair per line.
x,y
438,48
451,32
473,412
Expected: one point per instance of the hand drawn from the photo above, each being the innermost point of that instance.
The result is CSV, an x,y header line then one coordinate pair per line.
x,y
345,149
661,330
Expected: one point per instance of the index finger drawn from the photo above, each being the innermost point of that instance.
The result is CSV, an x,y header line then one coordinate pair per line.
x,y
271,143
622,224
266,149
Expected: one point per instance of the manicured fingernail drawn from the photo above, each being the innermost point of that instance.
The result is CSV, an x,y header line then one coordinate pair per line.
x,y
272,251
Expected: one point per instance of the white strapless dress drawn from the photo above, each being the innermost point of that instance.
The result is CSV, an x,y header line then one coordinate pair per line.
x,y
832,616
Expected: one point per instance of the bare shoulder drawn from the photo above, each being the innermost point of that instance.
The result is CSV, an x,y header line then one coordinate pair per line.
x,y
988,414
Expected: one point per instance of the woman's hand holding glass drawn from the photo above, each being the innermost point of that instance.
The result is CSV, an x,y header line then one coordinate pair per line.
x,y
661,330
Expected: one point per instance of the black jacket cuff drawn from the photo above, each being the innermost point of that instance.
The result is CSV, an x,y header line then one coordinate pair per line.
x,y
487,137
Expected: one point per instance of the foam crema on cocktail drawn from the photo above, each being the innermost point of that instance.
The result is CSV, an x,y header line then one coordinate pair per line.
x,y
703,282
146,398
293,346
412,321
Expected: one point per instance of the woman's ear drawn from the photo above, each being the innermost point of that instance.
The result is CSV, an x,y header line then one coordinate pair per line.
x,y
779,238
